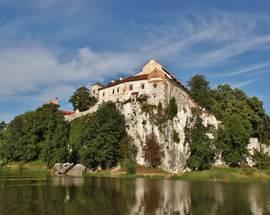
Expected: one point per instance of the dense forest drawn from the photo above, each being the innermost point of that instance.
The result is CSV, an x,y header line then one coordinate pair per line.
x,y
100,139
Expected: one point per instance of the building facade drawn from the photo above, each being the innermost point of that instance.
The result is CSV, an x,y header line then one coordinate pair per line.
x,y
153,80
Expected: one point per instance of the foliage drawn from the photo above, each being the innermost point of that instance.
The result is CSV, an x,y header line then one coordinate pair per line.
x,y
241,116
82,99
142,98
103,133
42,134
3,125
127,150
233,140
262,160
176,138
202,150
152,150
172,108
130,167
201,91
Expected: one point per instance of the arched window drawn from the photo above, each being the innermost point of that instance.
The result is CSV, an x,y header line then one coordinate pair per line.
x,y
113,91
118,89
155,85
103,94
130,87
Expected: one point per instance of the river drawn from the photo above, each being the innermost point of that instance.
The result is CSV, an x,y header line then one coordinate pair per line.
x,y
30,195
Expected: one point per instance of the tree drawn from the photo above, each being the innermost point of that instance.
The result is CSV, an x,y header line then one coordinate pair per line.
x,y
233,139
101,141
202,150
152,150
3,125
127,150
172,108
82,99
200,91
41,134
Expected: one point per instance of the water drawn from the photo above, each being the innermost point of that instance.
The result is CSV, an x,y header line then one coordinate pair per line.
x,y
26,194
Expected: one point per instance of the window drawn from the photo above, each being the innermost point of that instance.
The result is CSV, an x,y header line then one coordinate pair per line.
x,y
113,91
155,85
103,94
130,87
142,86
118,89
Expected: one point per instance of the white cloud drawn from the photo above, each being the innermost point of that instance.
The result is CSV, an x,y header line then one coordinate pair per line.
x,y
250,69
36,73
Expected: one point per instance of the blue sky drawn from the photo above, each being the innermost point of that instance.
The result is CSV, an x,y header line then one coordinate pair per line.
x,y
50,48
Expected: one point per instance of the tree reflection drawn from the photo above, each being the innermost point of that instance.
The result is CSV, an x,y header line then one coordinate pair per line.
x,y
100,196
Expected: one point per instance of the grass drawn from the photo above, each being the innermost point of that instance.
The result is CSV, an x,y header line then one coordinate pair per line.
x,y
227,175
213,174
34,168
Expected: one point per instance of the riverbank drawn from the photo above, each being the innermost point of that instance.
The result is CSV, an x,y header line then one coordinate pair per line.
x,y
213,174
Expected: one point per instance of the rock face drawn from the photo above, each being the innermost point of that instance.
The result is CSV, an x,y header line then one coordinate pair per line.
x,y
140,124
68,169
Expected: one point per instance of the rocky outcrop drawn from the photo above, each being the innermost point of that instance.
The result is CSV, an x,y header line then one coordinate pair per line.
x,y
140,124
68,169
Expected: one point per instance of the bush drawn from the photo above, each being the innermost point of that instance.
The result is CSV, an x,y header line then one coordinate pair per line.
x,y
262,160
172,108
176,138
130,167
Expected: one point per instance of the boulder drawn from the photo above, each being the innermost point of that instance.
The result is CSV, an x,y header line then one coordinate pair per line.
x,y
61,168
69,169
77,170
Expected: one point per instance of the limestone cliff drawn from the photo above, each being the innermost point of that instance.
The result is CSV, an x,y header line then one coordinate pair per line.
x,y
140,124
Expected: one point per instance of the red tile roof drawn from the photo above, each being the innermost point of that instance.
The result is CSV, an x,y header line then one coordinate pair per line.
x,y
131,78
67,113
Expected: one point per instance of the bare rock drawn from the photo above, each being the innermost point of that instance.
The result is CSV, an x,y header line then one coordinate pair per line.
x,y
77,170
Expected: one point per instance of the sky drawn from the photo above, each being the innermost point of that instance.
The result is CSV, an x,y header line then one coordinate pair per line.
x,y
50,48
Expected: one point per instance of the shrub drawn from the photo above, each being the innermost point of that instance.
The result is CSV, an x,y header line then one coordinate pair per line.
x,y
262,160
176,138
172,108
130,167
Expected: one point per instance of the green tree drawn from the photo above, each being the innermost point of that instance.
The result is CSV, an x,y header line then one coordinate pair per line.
x,y
127,151
233,139
202,150
101,142
41,134
200,91
82,99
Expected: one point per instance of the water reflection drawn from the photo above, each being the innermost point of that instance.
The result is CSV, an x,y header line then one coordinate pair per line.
x,y
62,195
